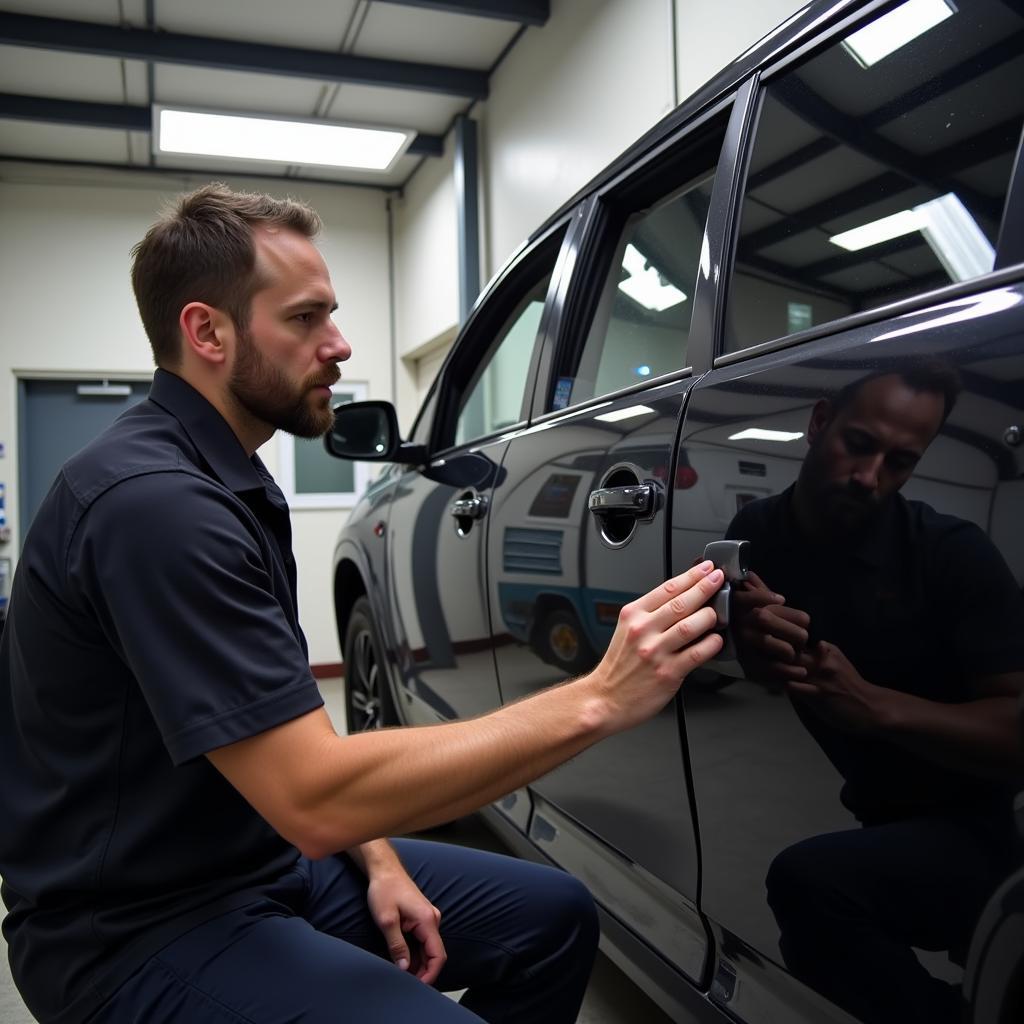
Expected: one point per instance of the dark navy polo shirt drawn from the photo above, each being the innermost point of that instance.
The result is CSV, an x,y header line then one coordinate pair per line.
x,y
921,604
152,618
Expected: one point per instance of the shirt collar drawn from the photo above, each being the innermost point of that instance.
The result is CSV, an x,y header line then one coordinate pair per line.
x,y
208,431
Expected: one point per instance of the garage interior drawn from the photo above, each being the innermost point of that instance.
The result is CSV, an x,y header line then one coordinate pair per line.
x,y
507,108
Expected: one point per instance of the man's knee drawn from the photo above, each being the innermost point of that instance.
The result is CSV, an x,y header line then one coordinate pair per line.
x,y
567,909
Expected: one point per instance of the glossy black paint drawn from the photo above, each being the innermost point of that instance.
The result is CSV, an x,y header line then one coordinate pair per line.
x,y
490,576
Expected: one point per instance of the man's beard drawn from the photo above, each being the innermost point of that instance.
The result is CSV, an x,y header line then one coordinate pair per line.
x,y
265,393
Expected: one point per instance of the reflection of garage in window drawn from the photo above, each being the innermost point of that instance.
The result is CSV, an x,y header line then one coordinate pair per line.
x,y
554,499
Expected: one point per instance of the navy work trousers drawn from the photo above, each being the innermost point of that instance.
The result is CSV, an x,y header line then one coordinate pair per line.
x,y
521,938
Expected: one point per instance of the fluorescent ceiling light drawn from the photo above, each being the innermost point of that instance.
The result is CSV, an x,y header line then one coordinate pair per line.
x,y
239,137
948,228
645,283
895,29
624,414
761,434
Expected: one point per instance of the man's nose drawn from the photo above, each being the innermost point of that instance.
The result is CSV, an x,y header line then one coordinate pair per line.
x,y
867,471
335,349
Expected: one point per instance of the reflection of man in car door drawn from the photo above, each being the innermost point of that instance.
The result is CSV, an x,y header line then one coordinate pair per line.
x,y
899,633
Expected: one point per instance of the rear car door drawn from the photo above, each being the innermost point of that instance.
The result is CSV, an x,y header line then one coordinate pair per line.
x,y
440,512
861,427
608,409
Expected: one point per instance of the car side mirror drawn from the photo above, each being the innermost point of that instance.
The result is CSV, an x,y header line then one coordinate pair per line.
x,y
368,432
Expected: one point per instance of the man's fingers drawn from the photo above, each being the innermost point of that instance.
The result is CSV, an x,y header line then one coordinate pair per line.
x,y
432,952
699,653
654,600
685,631
398,949
784,627
682,604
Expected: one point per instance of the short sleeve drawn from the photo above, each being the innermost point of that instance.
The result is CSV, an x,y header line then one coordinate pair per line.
x,y
182,579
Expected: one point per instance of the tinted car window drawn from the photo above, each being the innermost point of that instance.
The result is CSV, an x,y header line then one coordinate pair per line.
x,y
495,398
876,176
642,323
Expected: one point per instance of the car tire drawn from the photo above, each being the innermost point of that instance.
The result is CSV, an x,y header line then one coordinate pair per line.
x,y
368,702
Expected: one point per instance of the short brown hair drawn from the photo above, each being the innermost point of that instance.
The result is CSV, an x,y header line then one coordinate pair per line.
x,y
202,250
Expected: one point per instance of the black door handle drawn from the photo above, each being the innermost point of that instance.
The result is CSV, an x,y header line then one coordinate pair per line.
x,y
634,500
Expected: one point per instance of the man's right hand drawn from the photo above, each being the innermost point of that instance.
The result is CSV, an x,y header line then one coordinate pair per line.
x,y
770,637
659,639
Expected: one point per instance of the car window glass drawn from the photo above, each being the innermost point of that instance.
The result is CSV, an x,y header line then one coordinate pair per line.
x,y
495,398
642,323
878,175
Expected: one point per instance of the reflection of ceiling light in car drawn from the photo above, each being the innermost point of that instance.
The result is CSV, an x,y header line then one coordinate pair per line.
x,y
276,140
642,371
645,283
948,228
761,434
903,223
624,414
895,29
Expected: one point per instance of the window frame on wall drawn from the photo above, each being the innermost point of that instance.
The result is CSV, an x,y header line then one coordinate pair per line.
x,y
285,475
1002,272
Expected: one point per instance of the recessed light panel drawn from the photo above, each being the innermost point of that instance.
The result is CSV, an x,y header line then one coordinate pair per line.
x,y
239,137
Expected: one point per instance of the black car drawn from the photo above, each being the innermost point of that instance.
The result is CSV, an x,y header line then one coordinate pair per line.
x,y
792,314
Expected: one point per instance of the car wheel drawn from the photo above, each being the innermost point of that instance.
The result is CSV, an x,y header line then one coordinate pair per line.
x,y
563,642
368,703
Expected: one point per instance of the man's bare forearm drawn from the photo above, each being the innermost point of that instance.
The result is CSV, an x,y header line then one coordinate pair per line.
x,y
402,780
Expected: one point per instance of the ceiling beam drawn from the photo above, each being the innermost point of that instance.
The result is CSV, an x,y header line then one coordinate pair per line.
x,y
225,54
202,173
129,118
525,12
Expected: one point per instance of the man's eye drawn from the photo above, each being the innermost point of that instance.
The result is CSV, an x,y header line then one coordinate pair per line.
x,y
304,318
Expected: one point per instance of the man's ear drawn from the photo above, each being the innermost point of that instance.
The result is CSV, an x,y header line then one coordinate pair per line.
x,y
205,331
821,415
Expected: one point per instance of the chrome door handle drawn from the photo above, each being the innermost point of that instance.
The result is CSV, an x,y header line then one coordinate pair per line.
x,y
634,500
469,508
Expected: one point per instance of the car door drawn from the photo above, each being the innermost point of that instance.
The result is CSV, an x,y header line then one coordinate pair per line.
x,y
440,512
833,348
618,815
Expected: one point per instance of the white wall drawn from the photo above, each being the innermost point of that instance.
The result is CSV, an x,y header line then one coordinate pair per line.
x,y
68,310
711,34
426,272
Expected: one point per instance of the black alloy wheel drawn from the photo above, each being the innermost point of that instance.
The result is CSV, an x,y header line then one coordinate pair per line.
x,y
368,702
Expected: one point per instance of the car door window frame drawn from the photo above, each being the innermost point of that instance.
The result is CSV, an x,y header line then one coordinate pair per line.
x,y
1009,250
468,357
720,124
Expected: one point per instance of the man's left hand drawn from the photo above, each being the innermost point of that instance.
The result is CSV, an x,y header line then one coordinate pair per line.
x,y
400,910
835,691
